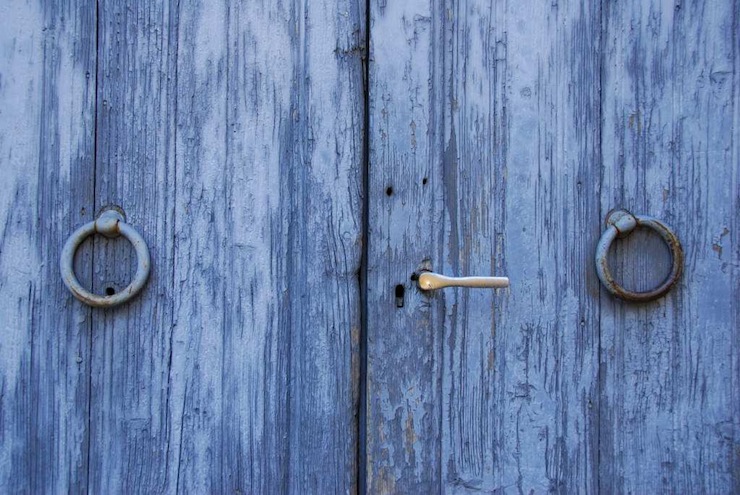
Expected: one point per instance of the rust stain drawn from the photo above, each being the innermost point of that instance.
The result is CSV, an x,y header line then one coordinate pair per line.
x,y
384,482
634,121
717,242
410,435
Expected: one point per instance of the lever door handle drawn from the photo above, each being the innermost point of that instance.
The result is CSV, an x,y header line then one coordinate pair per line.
x,y
432,281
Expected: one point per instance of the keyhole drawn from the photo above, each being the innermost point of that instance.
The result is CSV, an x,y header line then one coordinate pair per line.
x,y
400,290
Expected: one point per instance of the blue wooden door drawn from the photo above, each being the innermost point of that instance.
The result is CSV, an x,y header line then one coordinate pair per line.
x,y
501,134
231,135
291,166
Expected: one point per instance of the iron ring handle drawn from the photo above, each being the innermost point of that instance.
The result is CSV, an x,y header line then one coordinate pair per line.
x,y
110,223
620,223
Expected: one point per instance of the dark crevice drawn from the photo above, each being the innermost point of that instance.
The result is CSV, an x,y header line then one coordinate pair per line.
x,y
399,294
599,149
91,315
173,318
363,275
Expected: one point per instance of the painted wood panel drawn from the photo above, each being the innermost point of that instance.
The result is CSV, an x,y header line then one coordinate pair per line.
x,y
403,396
47,138
267,235
130,424
232,137
670,401
489,141
500,135
489,122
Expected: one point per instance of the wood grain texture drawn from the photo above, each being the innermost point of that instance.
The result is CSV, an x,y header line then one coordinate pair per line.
x,y
267,240
542,428
130,423
472,390
506,109
670,401
232,137
47,94
500,135
404,403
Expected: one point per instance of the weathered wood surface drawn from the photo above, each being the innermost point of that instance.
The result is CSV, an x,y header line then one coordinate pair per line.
x,y
552,385
47,138
133,414
267,236
404,402
670,393
232,136
471,389
500,135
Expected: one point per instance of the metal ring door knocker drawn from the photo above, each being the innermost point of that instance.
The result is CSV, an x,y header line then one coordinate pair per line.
x,y
111,223
620,223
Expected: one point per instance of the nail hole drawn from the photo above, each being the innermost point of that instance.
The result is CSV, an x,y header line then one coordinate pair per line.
x,y
424,181
389,191
110,291
400,290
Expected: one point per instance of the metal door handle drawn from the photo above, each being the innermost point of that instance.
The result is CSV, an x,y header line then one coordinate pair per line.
x,y
111,223
432,281
620,223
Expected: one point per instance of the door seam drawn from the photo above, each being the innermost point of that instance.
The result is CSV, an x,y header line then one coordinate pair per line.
x,y
361,439
91,314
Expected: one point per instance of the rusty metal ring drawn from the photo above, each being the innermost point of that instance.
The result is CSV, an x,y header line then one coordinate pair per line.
x,y
620,223
111,223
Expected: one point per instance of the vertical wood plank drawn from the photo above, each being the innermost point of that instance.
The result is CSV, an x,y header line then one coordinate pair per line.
x,y
520,373
131,446
268,229
670,396
47,92
404,403
498,107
